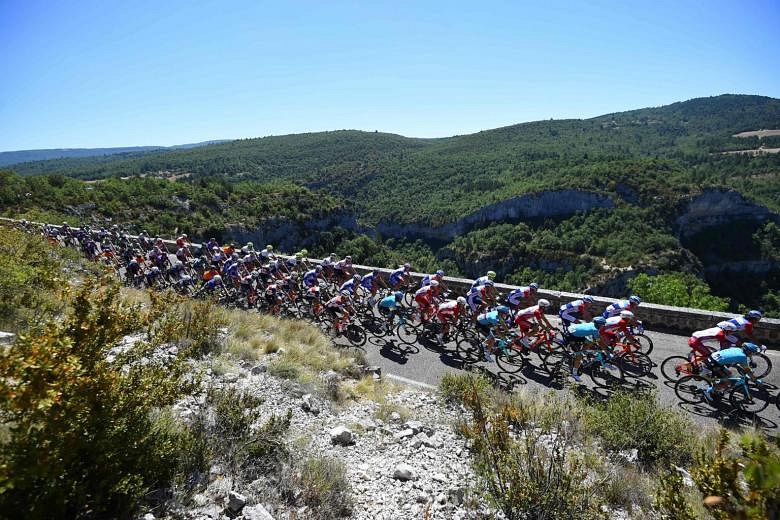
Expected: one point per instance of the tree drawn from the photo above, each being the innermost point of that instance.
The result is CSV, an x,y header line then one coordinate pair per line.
x,y
677,289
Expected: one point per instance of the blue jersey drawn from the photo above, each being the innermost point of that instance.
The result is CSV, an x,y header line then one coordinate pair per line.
x,y
583,330
616,308
348,287
388,302
490,319
368,281
730,356
309,277
396,275
482,280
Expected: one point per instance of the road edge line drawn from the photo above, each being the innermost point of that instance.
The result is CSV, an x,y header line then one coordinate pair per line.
x,y
411,382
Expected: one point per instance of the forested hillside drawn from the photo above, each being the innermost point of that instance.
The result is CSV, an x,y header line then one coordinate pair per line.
x,y
576,204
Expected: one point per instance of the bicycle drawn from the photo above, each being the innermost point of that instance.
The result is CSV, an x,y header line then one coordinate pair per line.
x,y
744,394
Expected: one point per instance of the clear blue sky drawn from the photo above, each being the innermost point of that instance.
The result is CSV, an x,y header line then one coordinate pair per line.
x,y
105,73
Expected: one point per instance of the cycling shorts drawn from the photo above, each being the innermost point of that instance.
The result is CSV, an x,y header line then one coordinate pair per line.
x,y
718,370
699,347
524,325
474,300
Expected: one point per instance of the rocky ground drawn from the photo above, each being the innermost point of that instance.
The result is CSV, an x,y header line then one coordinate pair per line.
x,y
402,456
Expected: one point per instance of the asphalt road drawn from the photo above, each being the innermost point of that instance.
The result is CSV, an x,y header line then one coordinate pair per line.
x,y
426,364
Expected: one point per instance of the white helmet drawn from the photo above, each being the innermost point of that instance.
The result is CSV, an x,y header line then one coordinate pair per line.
x,y
434,283
461,300
727,326
544,303
627,315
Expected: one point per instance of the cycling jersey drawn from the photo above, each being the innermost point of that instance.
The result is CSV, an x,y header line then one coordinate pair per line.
x,y
482,280
523,316
616,308
449,309
583,330
489,319
337,302
614,324
388,302
368,282
427,279
742,324
715,334
730,356
474,300
348,287
426,291
397,276
310,278
572,311
516,296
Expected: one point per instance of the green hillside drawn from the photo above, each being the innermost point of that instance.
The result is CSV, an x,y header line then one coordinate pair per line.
x,y
645,164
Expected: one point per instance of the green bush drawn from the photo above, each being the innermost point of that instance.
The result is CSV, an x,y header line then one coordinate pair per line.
x,y
83,440
324,487
677,289
626,421
454,387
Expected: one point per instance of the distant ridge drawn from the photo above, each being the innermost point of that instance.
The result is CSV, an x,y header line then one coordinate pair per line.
x,y
22,156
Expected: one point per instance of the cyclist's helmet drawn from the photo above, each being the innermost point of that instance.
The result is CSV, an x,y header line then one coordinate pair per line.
x,y
407,265
298,256
155,269
439,273
754,315
357,277
375,271
751,347
305,252
533,285
461,300
491,274
348,258
217,278
255,274
599,321
502,309
234,256
727,326
627,315
434,283
178,263
293,276
587,299
399,296
544,303
249,244
318,268
636,300
269,247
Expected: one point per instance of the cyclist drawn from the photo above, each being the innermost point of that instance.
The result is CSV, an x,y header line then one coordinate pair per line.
x,y
182,241
438,276
522,295
723,335
398,276
338,307
576,336
448,313
745,323
348,287
312,276
343,268
424,298
481,297
626,305
213,283
523,319
267,253
617,325
487,322
576,311
391,302
719,362
482,280
248,249
371,283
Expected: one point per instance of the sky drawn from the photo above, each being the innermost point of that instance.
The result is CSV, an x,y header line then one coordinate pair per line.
x,y
105,73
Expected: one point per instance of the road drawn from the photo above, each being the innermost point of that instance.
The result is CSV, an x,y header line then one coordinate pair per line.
x,y
427,364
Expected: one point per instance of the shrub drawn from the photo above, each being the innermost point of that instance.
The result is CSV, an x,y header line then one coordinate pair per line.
x,y
453,387
324,487
82,438
625,421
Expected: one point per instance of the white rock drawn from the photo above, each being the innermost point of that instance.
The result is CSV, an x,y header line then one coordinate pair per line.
x,y
342,435
441,498
395,417
308,404
403,434
148,516
236,501
415,426
259,369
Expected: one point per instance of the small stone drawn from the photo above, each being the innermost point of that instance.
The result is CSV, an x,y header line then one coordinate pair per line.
x,y
257,512
395,417
230,377
342,435
422,498
148,516
309,405
439,477
403,472
456,495
403,434
259,369
236,501
441,498
415,426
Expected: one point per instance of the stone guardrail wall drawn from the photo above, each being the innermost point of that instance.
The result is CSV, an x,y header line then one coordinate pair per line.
x,y
662,318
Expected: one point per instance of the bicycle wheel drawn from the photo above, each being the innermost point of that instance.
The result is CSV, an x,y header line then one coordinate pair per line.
x,y
553,359
635,364
407,333
607,375
675,367
355,335
509,360
469,346
690,389
761,365
751,399
646,344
